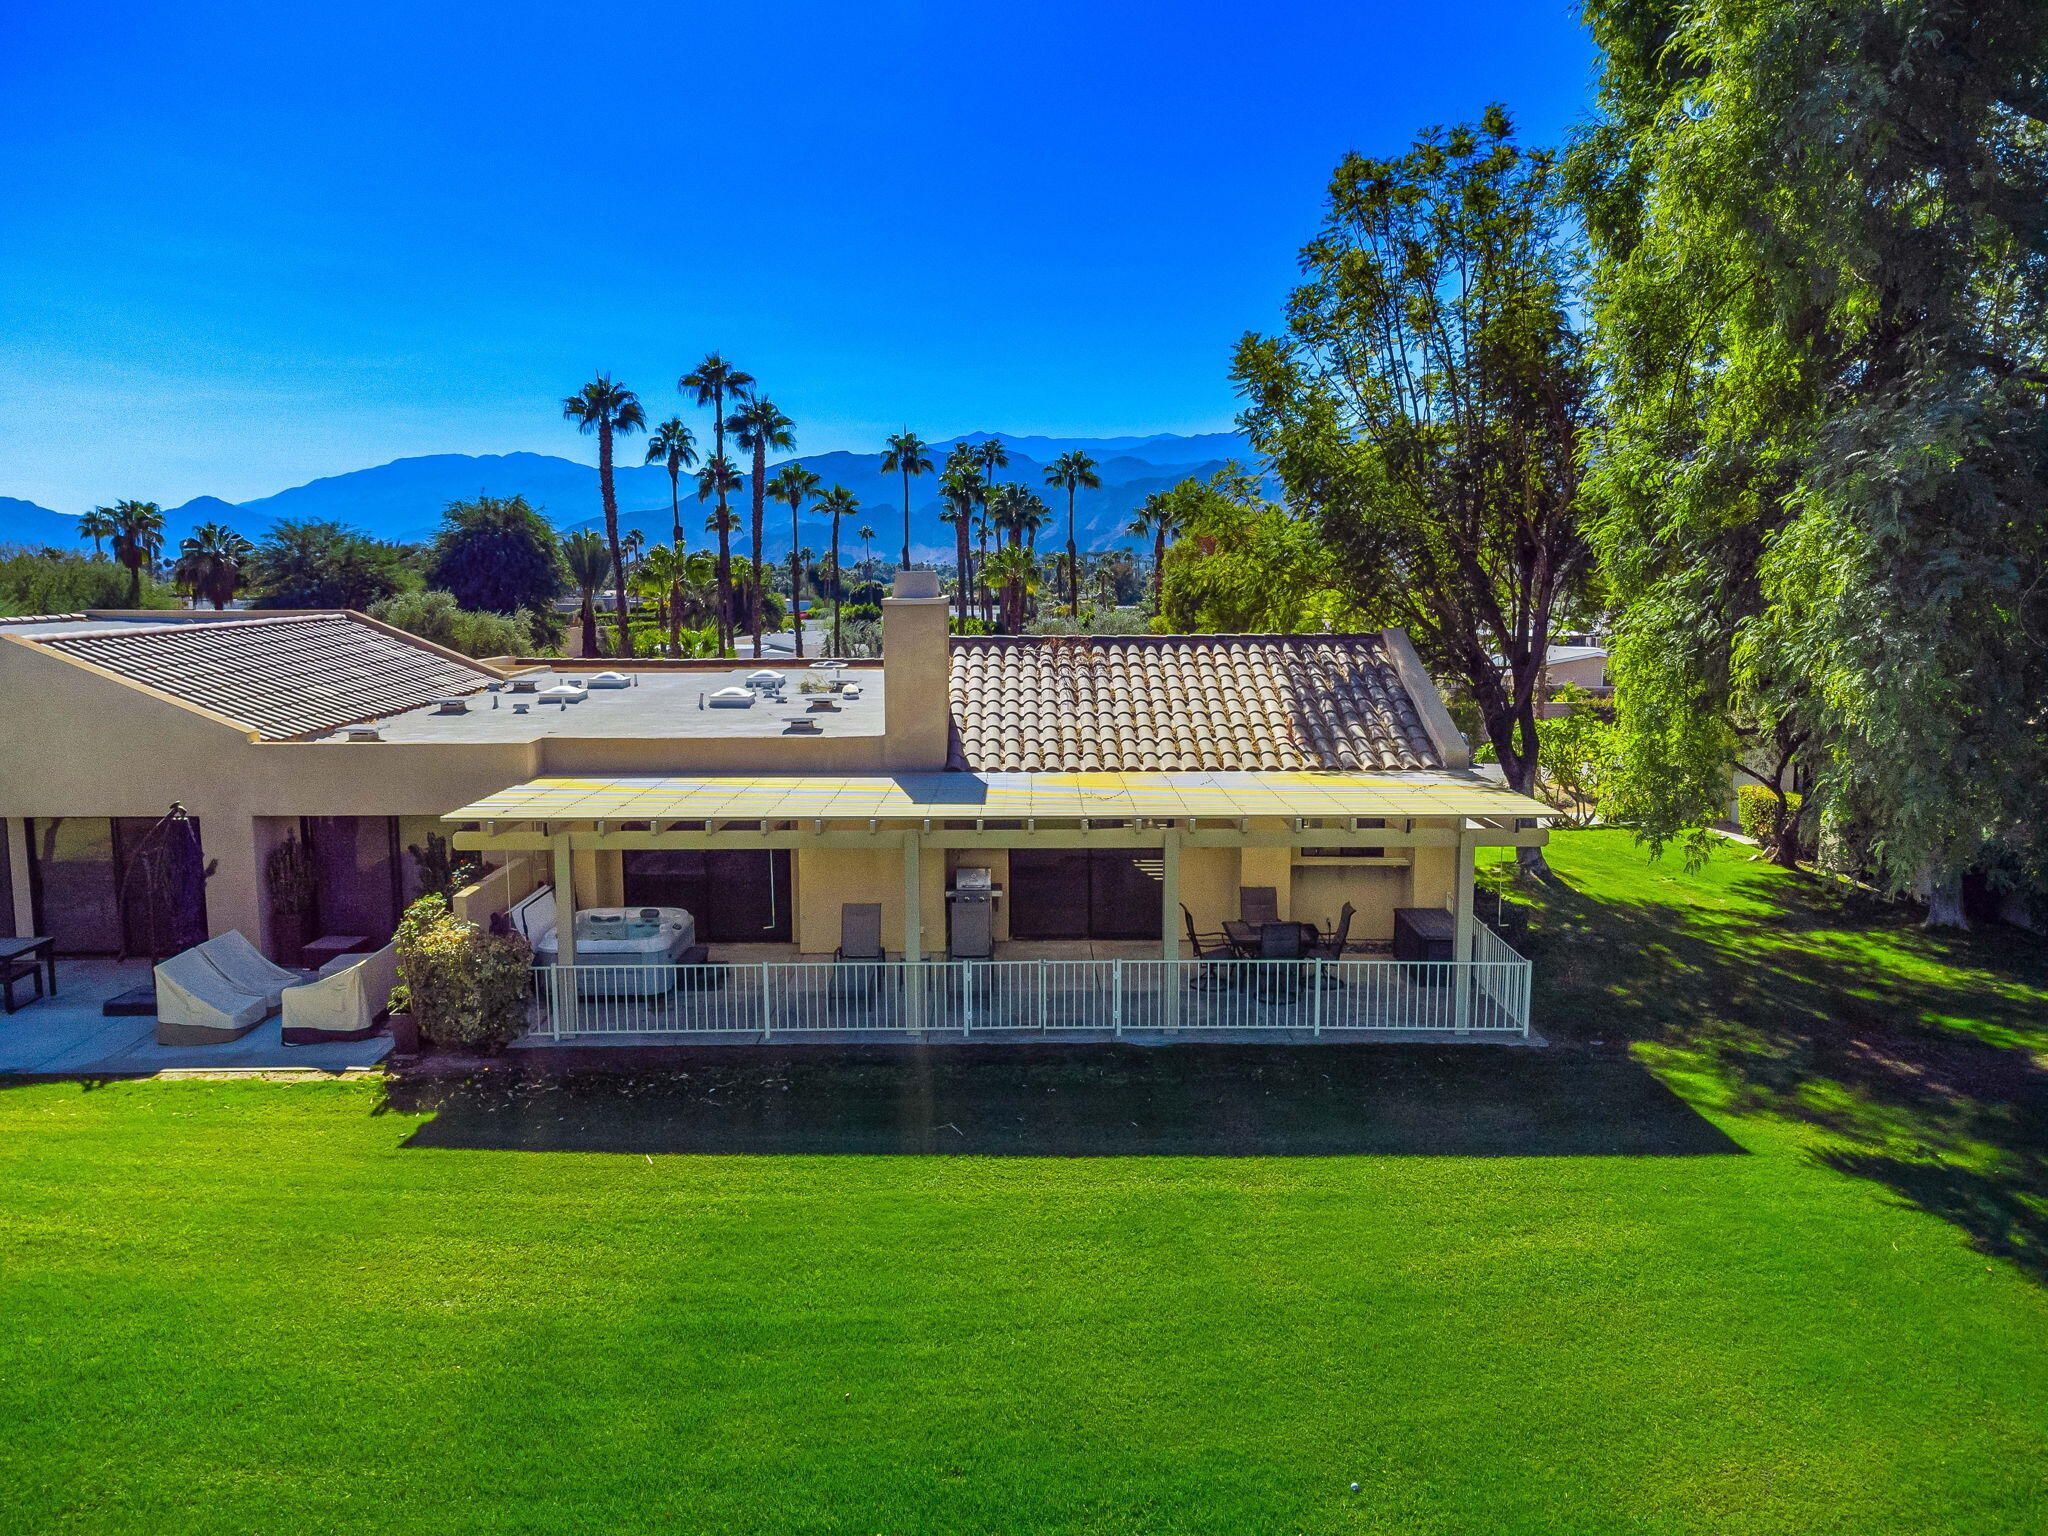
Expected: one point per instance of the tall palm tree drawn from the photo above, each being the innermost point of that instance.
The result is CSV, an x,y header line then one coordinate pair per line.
x,y
631,543
960,486
138,535
906,457
96,525
1006,512
590,567
609,409
1071,471
866,535
718,478
795,485
1157,521
211,564
759,427
990,455
675,445
837,503
713,382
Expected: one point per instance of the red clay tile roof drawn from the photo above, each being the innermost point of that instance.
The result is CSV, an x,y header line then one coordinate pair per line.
x,y
281,677
1181,703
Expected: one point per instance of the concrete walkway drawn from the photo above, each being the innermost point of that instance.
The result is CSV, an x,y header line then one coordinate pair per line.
x,y
68,1034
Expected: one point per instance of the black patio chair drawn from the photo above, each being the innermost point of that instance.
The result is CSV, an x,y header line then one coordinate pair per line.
x,y
857,968
1258,904
1214,950
1330,946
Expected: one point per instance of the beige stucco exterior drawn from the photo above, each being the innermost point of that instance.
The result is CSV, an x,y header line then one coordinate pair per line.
x,y
79,741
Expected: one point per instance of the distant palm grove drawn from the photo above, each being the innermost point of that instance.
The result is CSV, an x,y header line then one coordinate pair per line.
x,y
1746,385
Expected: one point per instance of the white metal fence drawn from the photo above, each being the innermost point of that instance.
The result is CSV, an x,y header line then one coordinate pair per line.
x,y
1012,999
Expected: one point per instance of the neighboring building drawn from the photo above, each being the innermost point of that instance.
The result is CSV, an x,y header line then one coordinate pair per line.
x,y
1104,782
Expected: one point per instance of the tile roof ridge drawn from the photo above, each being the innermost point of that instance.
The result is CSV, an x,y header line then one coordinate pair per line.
x,y
208,625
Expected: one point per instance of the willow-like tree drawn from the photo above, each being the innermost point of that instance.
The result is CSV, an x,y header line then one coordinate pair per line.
x,y
795,485
906,457
1823,293
674,446
609,409
1070,472
759,427
1428,404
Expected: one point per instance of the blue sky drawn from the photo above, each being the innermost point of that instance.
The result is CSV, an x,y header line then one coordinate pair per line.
x,y
244,245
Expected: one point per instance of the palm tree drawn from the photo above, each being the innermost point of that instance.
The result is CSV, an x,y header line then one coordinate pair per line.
x,y
713,382
674,444
138,535
960,486
662,574
96,525
990,455
630,545
906,457
590,567
1157,521
1017,572
211,563
1006,512
608,409
718,478
795,485
1070,471
837,503
866,535
758,426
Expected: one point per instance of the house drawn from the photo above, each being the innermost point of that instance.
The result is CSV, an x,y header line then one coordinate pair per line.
x,y
1092,798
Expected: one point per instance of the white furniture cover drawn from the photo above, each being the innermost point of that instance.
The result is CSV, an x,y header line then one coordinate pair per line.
x,y
346,999
197,1005
248,968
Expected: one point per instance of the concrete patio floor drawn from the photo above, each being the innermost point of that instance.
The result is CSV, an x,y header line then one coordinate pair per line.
x,y
68,1034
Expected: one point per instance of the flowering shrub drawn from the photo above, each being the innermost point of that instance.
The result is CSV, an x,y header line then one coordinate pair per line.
x,y
464,986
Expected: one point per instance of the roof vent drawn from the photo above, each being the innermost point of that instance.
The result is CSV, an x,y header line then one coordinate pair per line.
x,y
451,704
525,684
362,733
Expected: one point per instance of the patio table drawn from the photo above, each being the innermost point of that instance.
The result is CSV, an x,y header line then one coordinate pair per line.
x,y
34,947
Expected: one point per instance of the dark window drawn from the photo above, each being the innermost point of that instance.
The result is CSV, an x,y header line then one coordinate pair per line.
x,y
736,896
109,886
360,879
1084,893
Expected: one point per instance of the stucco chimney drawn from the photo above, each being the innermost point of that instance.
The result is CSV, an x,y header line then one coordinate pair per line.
x,y
916,669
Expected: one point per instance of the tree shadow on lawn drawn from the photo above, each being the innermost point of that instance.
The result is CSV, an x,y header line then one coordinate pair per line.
x,y
1925,1053
1076,1101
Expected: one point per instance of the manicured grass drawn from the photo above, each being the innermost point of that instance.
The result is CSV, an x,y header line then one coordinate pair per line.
x,y
1504,1292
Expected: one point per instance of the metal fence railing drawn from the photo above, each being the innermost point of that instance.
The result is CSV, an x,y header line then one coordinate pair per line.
x,y
1002,999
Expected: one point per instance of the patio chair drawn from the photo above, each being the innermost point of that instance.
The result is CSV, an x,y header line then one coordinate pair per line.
x,y
1331,946
1258,904
1213,949
1280,941
857,962
20,969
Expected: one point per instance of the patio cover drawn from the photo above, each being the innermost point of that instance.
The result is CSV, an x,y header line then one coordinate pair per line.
x,y
1005,796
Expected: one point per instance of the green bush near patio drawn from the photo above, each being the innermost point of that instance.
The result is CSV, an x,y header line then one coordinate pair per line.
x,y
1648,1280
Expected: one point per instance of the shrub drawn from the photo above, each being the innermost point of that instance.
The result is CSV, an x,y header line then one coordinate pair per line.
x,y
1756,811
435,616
464,987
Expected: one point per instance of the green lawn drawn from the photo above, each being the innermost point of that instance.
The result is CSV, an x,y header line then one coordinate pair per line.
x,y
1685,1279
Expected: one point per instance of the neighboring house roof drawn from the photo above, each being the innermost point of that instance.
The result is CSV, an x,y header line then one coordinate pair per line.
x,y
280,677
1182,703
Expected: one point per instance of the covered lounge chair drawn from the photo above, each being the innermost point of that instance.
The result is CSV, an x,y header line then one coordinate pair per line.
x,y
248,968
197,1005
345,1003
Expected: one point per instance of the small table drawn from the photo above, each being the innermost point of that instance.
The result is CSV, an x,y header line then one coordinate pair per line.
x,y
39,945
332,947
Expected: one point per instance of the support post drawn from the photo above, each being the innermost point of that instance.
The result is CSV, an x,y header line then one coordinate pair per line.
x,y
565,900
23,895
1462,915
913,931
1169,927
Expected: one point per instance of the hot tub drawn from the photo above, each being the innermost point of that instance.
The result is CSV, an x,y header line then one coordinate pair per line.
x,y
624,940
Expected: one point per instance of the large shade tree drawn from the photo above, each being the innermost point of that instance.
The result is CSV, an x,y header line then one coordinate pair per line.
x,y
318,564
1823,293
608,409
497,554
1428,404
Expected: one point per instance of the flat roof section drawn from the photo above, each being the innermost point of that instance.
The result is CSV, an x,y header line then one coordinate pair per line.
x,y
658,704
1005,796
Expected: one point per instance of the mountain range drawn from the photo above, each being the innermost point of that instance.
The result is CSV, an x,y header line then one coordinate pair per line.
x,y
402,500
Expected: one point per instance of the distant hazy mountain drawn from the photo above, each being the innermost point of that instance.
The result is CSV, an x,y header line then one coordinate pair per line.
x,y
403,499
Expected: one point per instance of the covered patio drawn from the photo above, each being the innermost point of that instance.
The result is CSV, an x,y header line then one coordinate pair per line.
x,y
1184,849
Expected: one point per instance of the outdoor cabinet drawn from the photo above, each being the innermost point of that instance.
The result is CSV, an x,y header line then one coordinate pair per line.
x,y
1425,933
